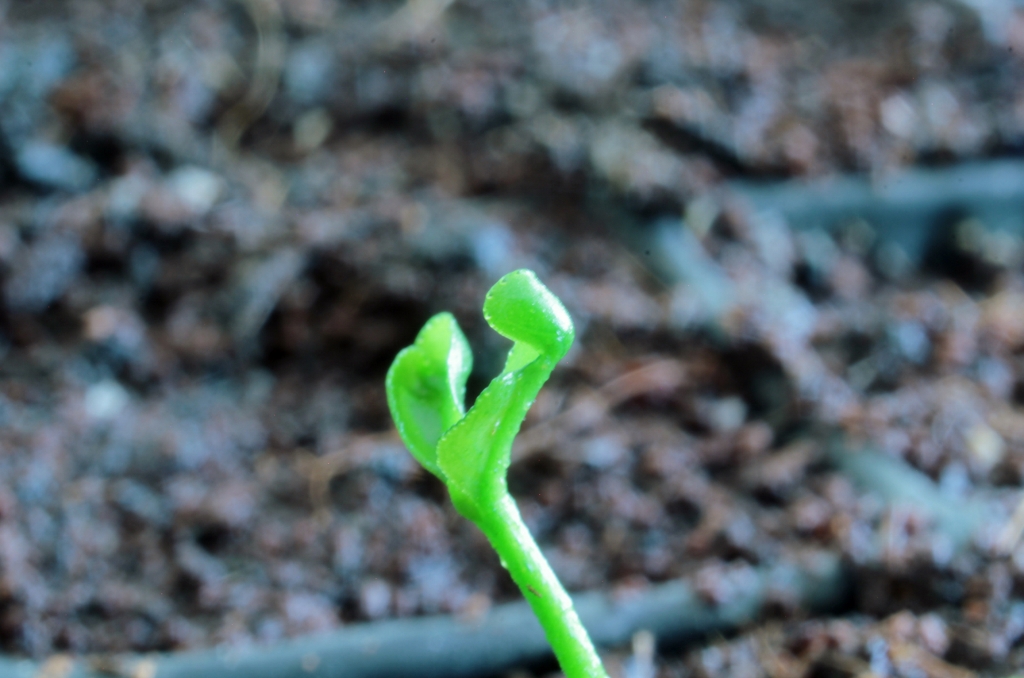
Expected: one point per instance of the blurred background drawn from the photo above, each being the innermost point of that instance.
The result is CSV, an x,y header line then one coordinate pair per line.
x,y
789,233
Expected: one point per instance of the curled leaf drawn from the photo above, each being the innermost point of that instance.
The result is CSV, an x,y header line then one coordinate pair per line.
x,y
474,454
426,387
522,309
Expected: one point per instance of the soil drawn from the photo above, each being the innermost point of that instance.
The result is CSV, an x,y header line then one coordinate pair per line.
x,y
221,219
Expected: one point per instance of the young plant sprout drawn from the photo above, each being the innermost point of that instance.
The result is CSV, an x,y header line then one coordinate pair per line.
x,y
470,451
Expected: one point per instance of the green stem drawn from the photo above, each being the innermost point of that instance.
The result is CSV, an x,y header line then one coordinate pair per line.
x,y
520,555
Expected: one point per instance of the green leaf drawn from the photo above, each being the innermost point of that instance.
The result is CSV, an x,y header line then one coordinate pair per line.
x,y
426,387
474,454
522,309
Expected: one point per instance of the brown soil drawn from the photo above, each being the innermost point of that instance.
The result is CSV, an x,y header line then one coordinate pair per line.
x,y
221,219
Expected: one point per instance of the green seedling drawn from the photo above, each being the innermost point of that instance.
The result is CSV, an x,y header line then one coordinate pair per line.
x,y
470,451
